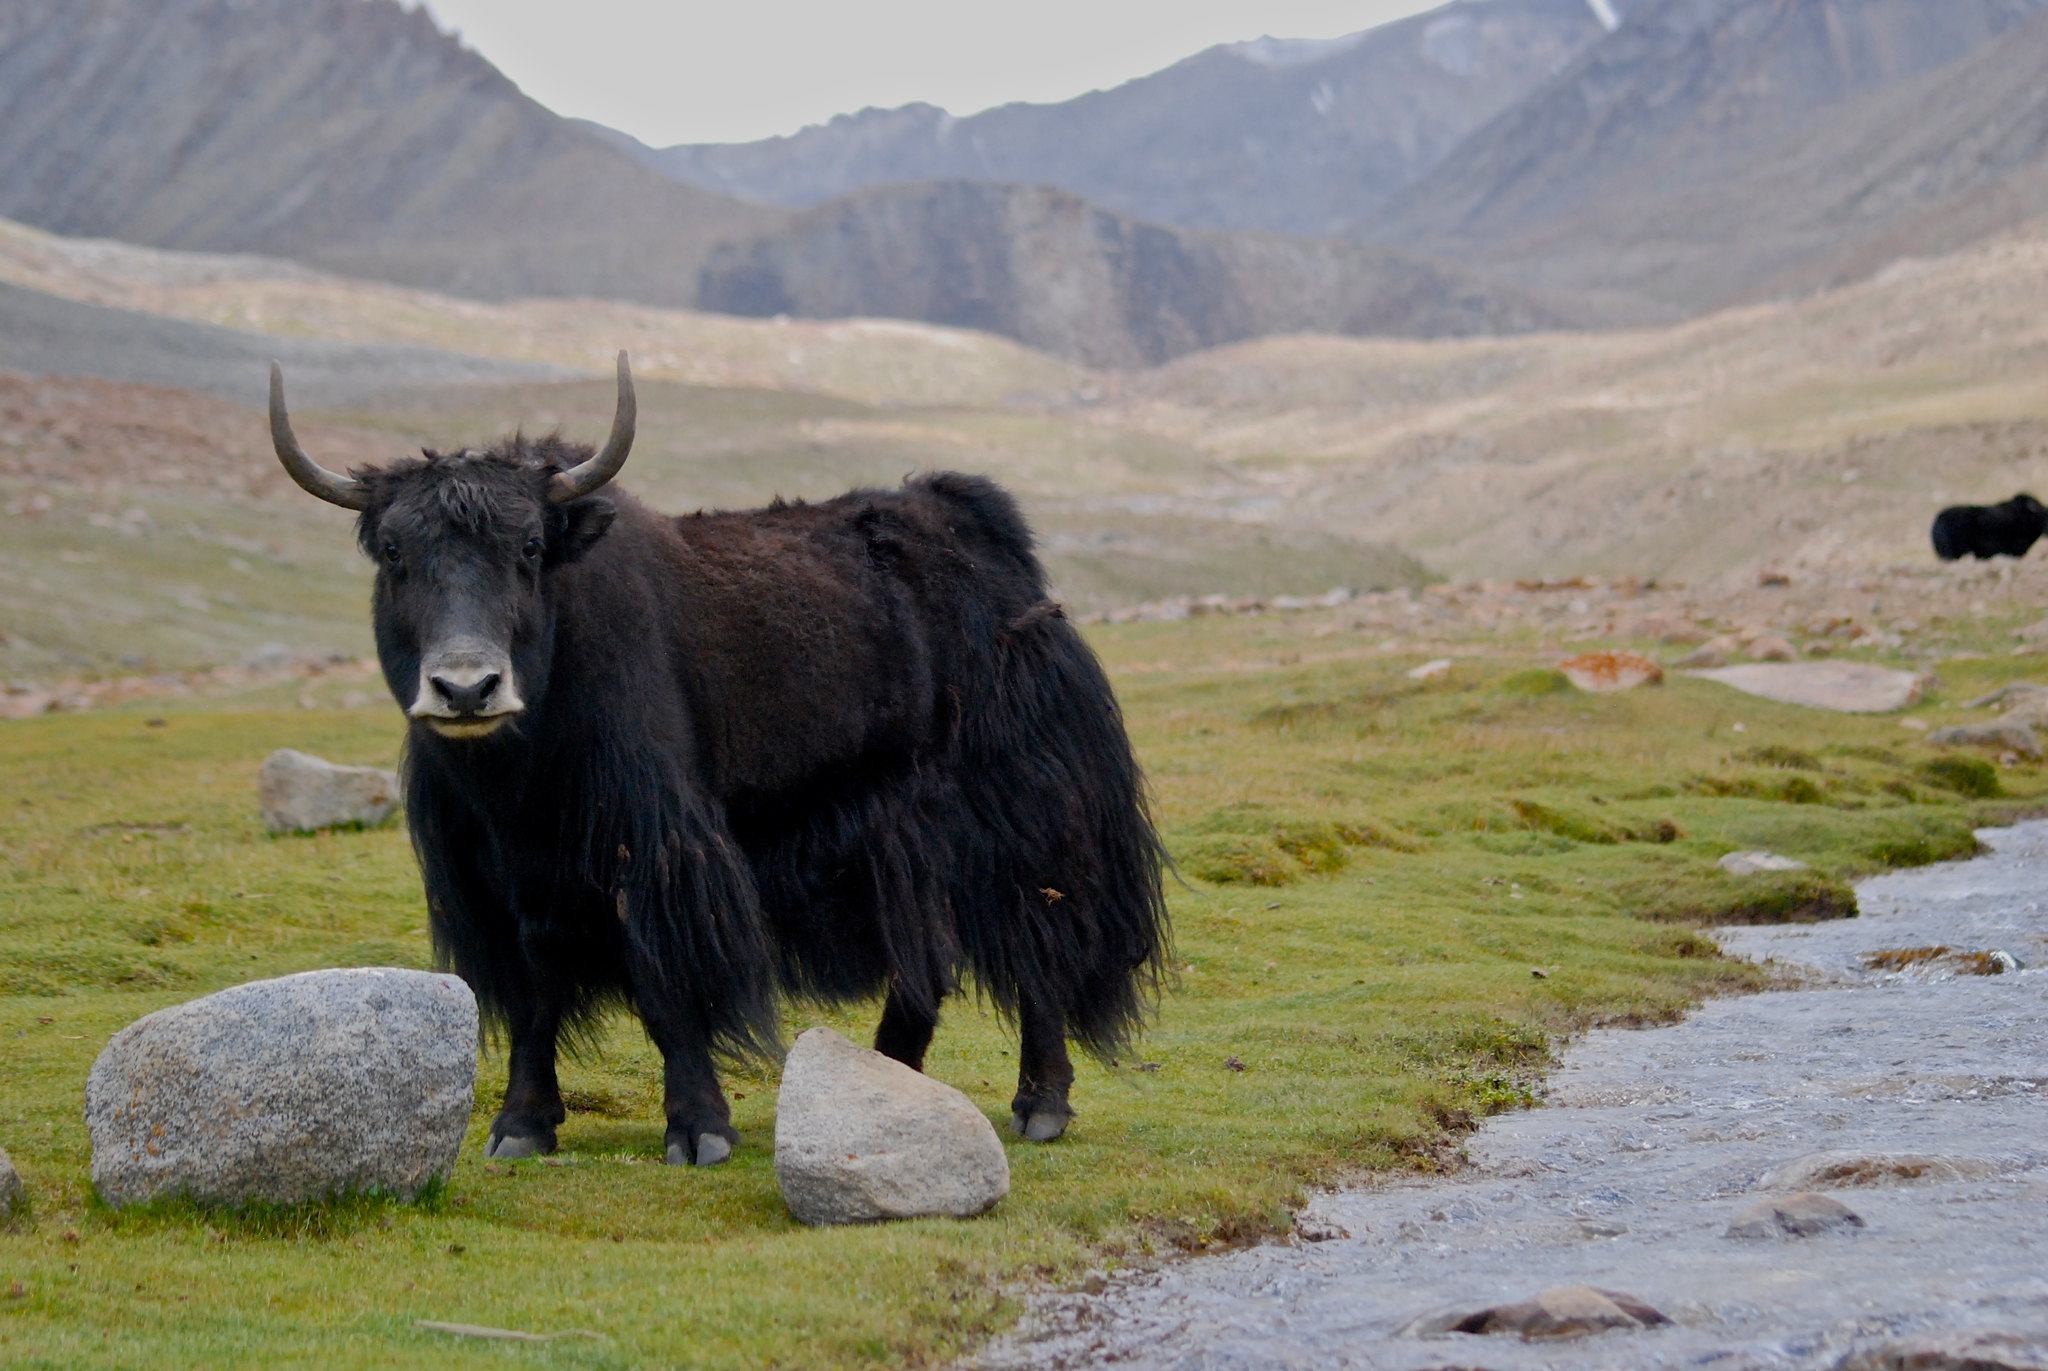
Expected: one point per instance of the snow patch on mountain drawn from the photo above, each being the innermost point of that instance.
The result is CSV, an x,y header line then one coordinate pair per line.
x,y
1293,52
1603,10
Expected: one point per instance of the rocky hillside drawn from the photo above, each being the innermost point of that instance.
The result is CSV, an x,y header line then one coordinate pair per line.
x,y
1051,270
348,133
1710,150
1293,136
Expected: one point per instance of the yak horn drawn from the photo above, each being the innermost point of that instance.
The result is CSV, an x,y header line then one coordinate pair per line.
x,y
315,479
581,479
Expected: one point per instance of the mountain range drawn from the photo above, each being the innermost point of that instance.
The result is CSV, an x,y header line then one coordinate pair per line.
x,y
1300,137
1491,167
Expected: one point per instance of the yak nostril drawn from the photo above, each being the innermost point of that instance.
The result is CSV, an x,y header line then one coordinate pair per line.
x,y
466,698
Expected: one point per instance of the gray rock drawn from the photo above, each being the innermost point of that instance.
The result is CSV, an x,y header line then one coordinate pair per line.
x,y
1749,863
1974,1350
12,1191
302,793
1847,687
1852,1170
1804,1215
2005,735
319,1084
1563,1311
860,1137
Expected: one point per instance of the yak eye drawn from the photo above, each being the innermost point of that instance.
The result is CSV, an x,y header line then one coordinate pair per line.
x,y
534,547
391,554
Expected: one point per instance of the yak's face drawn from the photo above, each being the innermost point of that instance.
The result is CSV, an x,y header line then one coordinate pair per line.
x,y
466,547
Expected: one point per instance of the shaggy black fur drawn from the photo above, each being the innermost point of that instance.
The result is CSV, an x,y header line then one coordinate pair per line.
x,y
836,749
1986,531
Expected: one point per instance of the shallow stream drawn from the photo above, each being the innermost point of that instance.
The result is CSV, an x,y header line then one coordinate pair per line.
x,y
1649,1146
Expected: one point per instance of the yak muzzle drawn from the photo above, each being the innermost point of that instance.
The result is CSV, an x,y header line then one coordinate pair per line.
x,y
466,693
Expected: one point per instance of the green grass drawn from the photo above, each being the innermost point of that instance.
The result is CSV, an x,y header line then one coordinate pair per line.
x,y
1371,868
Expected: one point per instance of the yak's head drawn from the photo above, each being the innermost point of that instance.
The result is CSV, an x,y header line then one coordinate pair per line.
x,y
466,544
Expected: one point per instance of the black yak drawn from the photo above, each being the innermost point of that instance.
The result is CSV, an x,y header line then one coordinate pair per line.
x,y
1986,531
679,764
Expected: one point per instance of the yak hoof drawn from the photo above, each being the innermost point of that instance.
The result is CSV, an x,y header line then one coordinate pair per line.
x,y
1043,1125
510,1147
711,1150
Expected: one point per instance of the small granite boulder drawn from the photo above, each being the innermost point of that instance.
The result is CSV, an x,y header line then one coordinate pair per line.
x,y
301,793
1804,1215
2004,734
298,1088
12,1191
1601,672
1849,1170
1969,1350
1563,1311
1749,863
861,1137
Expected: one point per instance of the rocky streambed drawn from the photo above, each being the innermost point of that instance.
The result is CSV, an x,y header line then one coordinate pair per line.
x,y
1901,1092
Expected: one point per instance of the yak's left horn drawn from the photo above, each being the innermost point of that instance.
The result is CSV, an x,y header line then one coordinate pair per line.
x,y
315,479
581,479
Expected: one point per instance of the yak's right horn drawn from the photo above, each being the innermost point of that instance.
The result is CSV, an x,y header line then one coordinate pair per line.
x,y
313,478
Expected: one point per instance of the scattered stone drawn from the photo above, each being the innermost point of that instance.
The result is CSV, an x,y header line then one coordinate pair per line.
x,y
1943,961
1803,1215
2003,734
860,1137
12,1191
1975,1350
26,704
1704,658
1917,725
1847,687
1771,648
1858,1170
1600,672
1749,863
2012,695
1318,1230
301,793
1429,671
298,1088
1564,1311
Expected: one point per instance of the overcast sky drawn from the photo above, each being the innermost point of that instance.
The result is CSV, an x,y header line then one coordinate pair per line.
x,y
687,71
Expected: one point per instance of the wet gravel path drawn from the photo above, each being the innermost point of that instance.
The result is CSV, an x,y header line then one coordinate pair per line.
x,y
1653,1142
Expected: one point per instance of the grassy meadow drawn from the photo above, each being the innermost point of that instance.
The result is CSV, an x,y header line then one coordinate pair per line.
x,y
1373,870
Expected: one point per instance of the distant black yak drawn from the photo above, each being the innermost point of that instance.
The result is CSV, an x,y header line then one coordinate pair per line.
x,y
678,763
1986,531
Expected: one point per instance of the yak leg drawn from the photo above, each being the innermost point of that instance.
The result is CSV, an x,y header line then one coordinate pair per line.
x,y
700,1130
1044,1074
533,1096
904,1032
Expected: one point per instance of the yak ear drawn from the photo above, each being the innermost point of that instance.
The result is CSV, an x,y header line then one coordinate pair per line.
x,y
584,522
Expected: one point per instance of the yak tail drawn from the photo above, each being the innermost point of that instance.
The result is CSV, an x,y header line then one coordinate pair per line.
x,y
1059,898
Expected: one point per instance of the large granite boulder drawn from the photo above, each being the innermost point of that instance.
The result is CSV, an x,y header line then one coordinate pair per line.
x,y
307,1086
861,1137
302,793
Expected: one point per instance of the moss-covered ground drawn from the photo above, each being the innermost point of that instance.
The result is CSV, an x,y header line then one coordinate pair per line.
x,y
1373,871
